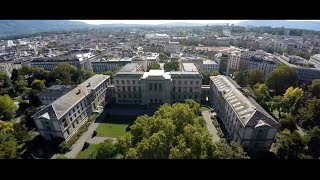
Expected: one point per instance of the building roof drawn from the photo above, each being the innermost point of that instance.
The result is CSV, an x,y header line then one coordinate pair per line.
x,y
131,67
56,90
156,73
62,105
189,67
209,62
246,108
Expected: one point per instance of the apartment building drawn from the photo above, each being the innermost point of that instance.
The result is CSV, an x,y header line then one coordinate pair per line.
x,y
103,65
64,116
172,47
53,93
260,60
245,120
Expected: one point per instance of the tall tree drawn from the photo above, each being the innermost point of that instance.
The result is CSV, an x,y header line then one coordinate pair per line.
x,y
8,145
309,115
171,66
291,98
7,107
66,73
105,150
38,85
281,79
154,66
21,84
5,81
241,78
255,76
314,88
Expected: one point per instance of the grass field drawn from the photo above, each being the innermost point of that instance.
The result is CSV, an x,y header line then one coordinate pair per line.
x,y
88,152
111,129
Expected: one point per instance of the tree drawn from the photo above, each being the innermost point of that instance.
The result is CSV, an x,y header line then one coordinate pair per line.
x,y
7,107
8,145
276,103
289,145
174,132
15,74
105,150
313,141
261,91
281,79
5,81
314,88
33,98
38,85
66,73
206,75
109,73
61,156
255,76
232,151
21,84
163,57
20,133
154,66
288,123
171,66
292,98
241,78
309,115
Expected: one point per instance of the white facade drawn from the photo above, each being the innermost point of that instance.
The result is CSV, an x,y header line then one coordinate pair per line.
x,y
64,116
210,65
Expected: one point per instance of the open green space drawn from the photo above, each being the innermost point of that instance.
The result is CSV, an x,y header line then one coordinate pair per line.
x,y
111,129
87,152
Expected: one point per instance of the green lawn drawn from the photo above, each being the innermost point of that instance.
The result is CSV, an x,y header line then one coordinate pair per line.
x,y
111,130
88,152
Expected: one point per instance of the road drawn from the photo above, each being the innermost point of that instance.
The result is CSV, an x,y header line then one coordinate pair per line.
x,y
212,129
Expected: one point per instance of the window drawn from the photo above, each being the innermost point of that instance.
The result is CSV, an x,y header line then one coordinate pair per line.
x,y
129,95
160,87
122,81
150,86
129,88
133,81
74,115
123,88
155,87
73,110
191,82
124,96
190,89
197,82
179,89
173,82
128,81
179,82
185,82
185,97
119,95
134,88
139,88
118,88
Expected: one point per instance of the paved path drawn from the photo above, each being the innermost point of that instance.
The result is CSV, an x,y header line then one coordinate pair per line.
x,y
77,147
212,129
98,140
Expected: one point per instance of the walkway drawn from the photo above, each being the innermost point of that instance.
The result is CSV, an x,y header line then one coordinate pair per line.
x,y
77,147
98,140
212,129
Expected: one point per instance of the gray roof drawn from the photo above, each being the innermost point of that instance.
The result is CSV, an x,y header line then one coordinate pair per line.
x,y
129,67
57,90
245,107
61,106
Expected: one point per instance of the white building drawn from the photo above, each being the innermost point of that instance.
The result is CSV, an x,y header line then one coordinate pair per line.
x,y
64,116
103,65
245,120
210,65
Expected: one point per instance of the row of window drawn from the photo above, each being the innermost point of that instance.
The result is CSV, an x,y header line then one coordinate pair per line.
x,y
185,97
185,89
128,81
129,96
185,82
134,88
155,87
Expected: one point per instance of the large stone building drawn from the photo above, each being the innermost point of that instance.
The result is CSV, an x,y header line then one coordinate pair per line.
x,y
133,86
245,120
102,65
306,70
259,59
82,61
64,116
172,47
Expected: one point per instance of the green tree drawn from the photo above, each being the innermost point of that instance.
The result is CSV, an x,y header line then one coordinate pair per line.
x,y
289,145
109,73
281,79
241,78
292,98
33,98
20,133
38,85
288,123
66,73
206,75
232,151
255,76
7,107
5,81
314,88
8,145
154,66
105,150
21,84
313,141
171,66
276,103
15,74
61,156
261,91
309,115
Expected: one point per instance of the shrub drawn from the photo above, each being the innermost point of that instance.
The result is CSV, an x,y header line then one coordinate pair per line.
x,y
94,134
85,146
64,147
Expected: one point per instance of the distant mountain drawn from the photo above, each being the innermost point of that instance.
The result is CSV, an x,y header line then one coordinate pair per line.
x,y
19,27
310,25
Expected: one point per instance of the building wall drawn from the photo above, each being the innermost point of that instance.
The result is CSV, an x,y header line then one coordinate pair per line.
x,y
186,88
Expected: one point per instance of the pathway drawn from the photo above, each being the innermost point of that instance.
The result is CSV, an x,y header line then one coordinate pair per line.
x,y
212,129
98,140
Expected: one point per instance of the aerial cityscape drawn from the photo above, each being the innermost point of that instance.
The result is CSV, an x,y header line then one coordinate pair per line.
x,y
159,89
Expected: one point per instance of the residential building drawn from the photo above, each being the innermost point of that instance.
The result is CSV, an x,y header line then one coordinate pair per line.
x,y
210,65
172,47
306,70
244,119
64,116
103,65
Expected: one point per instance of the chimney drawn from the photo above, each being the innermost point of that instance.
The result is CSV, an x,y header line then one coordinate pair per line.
x,y
78,92
88,85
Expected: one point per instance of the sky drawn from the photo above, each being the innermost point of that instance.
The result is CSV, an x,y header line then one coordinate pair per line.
x,y
156,22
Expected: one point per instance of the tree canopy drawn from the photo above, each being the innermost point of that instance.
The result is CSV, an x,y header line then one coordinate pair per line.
x,y
255,76
281,79
7,107
171,66
154,66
